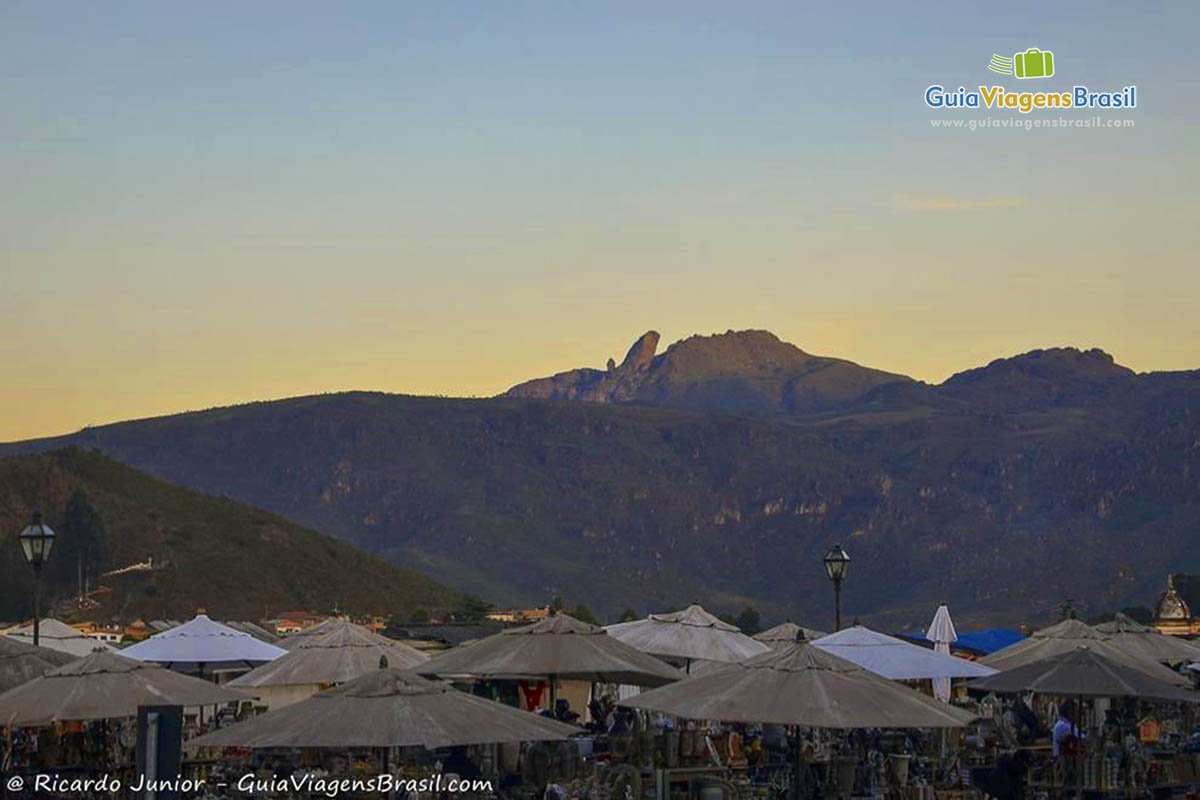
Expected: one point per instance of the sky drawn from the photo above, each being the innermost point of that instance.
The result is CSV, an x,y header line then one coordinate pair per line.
x,y
212,203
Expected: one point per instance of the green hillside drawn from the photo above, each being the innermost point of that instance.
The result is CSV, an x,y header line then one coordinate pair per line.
x,y
231,559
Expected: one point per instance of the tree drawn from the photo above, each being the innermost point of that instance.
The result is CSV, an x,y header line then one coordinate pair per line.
x,y
1139,614
82,543
471,609
419,616
748,621
557,603
628,615
584,614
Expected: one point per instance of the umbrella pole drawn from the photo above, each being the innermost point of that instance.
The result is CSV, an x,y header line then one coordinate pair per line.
x,y
1079,744
798,766
553,697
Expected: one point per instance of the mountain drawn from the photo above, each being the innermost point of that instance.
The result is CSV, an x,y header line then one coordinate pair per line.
x,y
1058,377
168,550
743,372
1003,491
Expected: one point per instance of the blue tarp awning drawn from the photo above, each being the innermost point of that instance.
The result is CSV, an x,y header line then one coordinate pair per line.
x,y
982,642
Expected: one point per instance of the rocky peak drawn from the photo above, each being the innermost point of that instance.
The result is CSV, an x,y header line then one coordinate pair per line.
x,y
641,353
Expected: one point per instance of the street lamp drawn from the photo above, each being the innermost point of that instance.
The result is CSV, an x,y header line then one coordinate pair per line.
x,y
837,561
36,541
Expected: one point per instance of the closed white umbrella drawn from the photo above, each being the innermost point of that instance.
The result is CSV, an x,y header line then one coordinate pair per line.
x,y
941,632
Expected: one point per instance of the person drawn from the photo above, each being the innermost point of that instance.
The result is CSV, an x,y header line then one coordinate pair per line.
x,y
1025,722
1006,781
1065,735
460,764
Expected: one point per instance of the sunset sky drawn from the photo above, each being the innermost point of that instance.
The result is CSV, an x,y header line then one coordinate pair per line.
x,y
209,203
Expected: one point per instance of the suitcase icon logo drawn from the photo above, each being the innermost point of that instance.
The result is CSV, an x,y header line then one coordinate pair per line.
x,y
1033,63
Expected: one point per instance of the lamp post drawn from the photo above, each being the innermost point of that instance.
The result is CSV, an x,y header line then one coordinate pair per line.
x,y
837,561
36,541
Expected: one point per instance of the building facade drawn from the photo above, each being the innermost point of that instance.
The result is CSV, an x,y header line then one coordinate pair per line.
x,y
1174,613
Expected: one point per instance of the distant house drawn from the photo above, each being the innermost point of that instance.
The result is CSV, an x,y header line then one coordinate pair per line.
x,y
374,623
289,622
111,634
519,614
1174,613
138,631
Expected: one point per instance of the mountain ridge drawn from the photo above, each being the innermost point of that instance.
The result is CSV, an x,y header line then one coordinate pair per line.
x,y
750,371
990,484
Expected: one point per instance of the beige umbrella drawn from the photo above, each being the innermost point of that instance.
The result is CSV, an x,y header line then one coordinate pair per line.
x,y
59,636
341,652
559,647
388,708
1134,637
21,663
322,629
1082,672
1069,635
690,635
785,634
103,686
799,684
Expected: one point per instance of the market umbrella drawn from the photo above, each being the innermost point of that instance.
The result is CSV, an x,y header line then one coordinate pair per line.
x,y
333,624
202,643
941,632
896,659
1136,638
59,636
786,634
388,708
341,652
800,684
1082,672
21,663
1067,636
558,647
102,686
689,635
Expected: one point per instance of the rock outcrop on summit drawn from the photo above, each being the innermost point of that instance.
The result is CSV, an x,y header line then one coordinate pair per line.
x,y
751,372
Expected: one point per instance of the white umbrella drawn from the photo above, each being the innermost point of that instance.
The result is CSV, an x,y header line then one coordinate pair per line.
x,y
896,659
203,643
941,632
689,635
